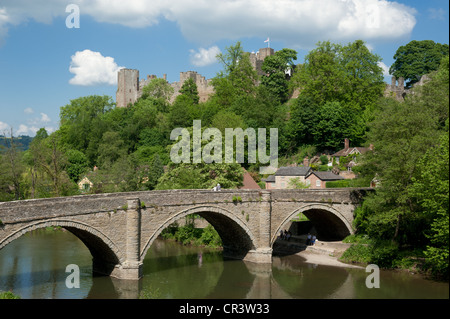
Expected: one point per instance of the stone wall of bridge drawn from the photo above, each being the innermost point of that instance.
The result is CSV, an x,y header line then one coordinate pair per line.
x,y
119,228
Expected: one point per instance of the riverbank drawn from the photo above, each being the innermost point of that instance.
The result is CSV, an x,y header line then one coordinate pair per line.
x,y
321,253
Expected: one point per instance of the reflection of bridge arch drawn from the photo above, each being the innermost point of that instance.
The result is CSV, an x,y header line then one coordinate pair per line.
x,y
237,238
328,221
104,252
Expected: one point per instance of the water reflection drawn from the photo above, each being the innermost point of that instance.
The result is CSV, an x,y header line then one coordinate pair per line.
x,y
33,266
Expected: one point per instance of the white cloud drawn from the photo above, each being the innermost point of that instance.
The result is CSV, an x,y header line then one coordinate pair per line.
x,y
204,57
23,130
28,110
92,68
385,68
300,23
45,118
436,14
4,127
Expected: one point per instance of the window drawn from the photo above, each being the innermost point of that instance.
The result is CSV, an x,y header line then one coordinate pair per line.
x,y
318,183
86,186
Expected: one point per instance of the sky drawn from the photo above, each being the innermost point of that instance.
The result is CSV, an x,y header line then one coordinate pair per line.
x,y
54,51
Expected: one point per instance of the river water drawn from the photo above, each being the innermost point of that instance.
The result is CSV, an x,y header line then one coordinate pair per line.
x,y
34,267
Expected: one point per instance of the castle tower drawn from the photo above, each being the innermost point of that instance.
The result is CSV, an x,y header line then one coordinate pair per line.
x,y
127,87
257,59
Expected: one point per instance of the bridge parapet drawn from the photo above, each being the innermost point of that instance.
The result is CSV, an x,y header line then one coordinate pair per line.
x,y
118,228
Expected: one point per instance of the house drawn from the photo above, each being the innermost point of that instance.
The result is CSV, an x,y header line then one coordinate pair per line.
x,y
270,182
318,180
350,154
85,184
281,179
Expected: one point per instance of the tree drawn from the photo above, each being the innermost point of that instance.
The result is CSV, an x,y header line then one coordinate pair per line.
x,y
189,89
275,67
417,58
155,172
430,187
77,164
364,77
201,176
402,134
110,149
231,58
321,76
11,168
80,119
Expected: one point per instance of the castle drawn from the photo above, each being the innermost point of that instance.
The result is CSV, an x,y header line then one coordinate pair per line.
x,y
397,88
129,86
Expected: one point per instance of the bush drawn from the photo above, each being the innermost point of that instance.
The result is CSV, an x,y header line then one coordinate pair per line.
x,y
210,238
384,253
357,253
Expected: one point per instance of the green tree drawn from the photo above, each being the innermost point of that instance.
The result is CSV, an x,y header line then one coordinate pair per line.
x,y
417,58
430,187
275,67
231,57
321,76
155,172
77,164
402,133
80,121
201,176
12,169
110,149
189,89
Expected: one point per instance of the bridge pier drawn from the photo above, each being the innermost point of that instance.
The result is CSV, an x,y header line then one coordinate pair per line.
x,y
131,269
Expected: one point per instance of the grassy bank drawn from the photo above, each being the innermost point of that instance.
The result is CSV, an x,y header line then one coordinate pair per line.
x,y
384,253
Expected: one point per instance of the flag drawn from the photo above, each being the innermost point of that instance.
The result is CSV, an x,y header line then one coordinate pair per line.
x,y
266,40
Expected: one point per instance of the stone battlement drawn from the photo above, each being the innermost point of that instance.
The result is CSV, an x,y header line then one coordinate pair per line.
x,y
129,86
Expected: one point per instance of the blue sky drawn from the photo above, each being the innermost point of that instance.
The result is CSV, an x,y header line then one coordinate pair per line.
x,y
44,64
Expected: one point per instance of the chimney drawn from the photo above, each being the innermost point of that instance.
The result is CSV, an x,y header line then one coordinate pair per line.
x,y
401,82
346,143
165,77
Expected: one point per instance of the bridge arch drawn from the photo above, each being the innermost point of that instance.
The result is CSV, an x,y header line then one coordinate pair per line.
x,y
105,254
237,238
328,221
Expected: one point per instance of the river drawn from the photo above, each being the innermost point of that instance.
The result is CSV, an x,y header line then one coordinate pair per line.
x,y
34,267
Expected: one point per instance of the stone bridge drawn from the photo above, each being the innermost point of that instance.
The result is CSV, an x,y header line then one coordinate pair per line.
x,y
119,228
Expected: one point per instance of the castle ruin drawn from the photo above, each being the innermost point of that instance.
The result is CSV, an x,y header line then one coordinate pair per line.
x,y
129,86
397,88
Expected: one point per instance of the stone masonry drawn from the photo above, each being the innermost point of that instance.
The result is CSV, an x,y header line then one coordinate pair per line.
x,y
129,86
119,228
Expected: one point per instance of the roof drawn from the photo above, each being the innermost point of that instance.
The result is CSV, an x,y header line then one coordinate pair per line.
x,y
270,179
249,182
293,171
326,176
351,150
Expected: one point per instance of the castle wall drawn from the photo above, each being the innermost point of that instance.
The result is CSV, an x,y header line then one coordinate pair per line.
x,y
127,87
